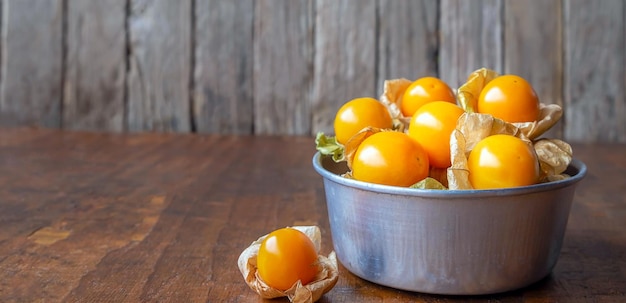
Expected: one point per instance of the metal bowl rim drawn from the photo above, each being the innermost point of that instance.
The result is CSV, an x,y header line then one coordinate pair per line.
x,y
473,193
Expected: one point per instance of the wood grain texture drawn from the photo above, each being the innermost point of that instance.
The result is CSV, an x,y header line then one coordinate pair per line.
x,y
160,65
266,67
471,38
222,96
595,71
137,226
32,45
408,40
345,57
283,61
533,49
95,65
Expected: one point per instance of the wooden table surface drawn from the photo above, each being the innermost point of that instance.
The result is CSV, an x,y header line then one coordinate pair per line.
x,y
90,217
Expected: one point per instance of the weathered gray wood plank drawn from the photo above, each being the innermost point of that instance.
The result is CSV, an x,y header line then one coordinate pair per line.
x,y
222,97
595,109
160,65
283,65
95,65
408,39
345,57
32,46
533,49
471,38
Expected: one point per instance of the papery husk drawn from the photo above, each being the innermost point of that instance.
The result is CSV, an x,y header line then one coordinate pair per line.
x,y
458,173
549,115
468,94
298,293
393,90
554,155
353,144
328,146
429,183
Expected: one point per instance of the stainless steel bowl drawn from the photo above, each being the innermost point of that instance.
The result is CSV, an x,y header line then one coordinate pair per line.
x,y
447,242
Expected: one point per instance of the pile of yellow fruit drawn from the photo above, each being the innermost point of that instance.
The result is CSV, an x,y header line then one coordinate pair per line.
x,y
422,134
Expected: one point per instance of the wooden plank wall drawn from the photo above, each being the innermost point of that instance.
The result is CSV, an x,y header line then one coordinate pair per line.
x,y
285,67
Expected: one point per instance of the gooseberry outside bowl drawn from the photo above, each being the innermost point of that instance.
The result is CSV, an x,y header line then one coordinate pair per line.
x,y
465,242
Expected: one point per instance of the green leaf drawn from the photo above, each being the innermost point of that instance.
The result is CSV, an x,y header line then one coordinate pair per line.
x,y
429,183
328,145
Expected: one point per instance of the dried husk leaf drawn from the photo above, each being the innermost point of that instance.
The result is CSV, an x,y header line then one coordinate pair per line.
x,y
328,146
469,92
549,115
298,293
476,127
348,175
458,173
554,157
391,98
353,144
429,183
